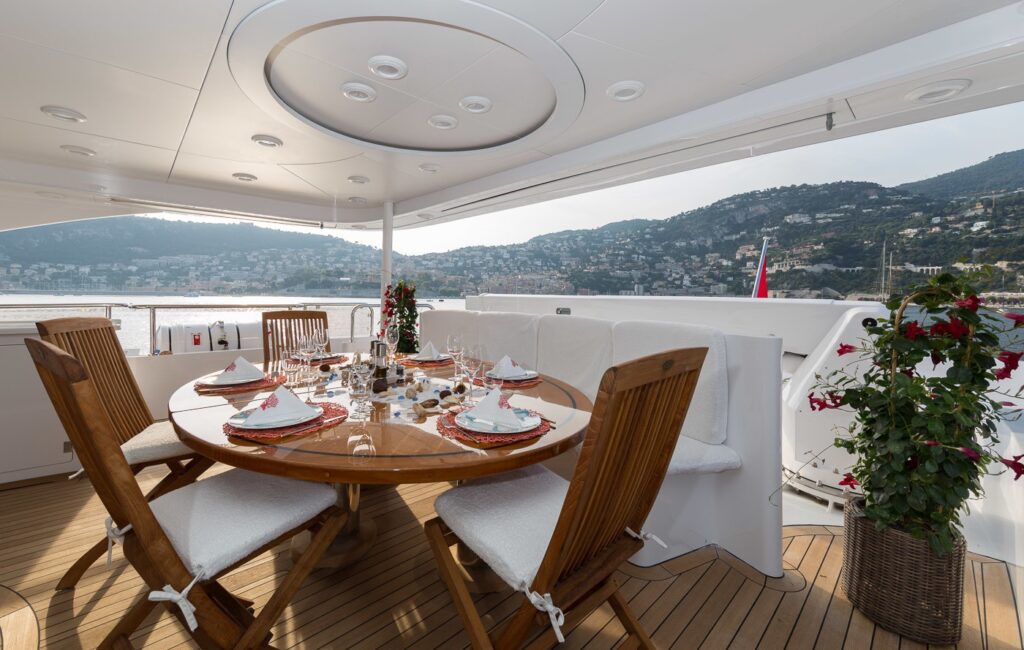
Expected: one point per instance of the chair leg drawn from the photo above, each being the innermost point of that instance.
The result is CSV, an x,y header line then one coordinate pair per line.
x,y
518,628
456,585
78,569
176,478
255,634
118,637
629,620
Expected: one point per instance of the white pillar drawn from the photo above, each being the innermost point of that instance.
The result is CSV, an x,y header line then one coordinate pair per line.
x,y
385,251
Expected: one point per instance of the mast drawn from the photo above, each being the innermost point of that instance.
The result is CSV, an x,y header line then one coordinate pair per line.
x,y
881,280
762,268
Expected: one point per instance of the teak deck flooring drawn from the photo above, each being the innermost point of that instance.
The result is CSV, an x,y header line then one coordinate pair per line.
x,y
394,598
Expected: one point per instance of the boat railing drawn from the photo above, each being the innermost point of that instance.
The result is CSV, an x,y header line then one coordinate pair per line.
x,y
154,308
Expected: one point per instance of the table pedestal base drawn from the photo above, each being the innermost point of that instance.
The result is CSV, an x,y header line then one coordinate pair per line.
x,y
353,541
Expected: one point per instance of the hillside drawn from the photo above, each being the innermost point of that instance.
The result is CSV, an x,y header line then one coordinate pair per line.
x,y
822,236
1001,173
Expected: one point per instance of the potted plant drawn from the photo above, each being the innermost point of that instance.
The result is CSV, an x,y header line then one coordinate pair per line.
x,y
400,311
924,434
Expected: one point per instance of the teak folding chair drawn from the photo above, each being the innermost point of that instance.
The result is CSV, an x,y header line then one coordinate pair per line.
x,y
181,542
560,542
144,442
283,329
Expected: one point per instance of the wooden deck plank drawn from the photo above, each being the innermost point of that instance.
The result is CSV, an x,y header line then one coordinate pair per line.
x,y
394,598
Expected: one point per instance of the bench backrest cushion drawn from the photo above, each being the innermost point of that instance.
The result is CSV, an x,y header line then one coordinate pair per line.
x,y
437,324
707,418
575,349
509,333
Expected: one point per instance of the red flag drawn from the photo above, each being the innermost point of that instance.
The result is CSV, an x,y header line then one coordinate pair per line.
x,y
761,279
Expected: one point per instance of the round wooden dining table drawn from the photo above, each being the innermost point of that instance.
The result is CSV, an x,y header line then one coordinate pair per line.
x,y
389,445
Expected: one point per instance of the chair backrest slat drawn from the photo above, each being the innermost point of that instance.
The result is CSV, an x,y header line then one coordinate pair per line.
x,y
633,431
94,343
283,329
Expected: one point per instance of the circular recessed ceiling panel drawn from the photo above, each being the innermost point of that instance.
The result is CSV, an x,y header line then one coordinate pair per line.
x,y
424,63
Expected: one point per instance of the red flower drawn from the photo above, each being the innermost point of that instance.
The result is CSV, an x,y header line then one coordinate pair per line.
x,y
1010,359
1018,319
845,348
830,401
933,443
1003,373
970,453
1010,404
1015,465
955,328
909,372
970,303
849,481
913,330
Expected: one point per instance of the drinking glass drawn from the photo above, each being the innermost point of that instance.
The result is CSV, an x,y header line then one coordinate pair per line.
x,y
307,350
362,369
391,338
320,340
472,364
456,349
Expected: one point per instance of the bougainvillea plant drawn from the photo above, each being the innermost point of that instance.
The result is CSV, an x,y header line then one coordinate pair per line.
x,y
400,311
925,410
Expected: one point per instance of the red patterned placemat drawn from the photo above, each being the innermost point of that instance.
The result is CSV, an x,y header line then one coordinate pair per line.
x,y
333,414
446,427
252,386
337,358
413,363
513,384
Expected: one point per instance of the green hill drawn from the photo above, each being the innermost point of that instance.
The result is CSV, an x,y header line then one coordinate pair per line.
x,y
999,174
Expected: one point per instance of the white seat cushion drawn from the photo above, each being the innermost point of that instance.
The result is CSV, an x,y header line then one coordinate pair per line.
x,y
156,442
707,418
695,456
507,519
215,522
511,333
576,350
437,324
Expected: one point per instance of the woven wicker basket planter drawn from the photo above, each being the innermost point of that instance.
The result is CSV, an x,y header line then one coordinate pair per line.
x,y
898,582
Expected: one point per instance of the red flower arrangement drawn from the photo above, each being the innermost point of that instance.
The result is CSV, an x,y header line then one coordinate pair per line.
x,y
399,308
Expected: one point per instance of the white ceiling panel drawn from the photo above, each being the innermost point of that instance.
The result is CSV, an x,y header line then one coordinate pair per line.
x,y
42,144
168,40
433,53
216,173
225,120
118,103
552,18
332,179
411,128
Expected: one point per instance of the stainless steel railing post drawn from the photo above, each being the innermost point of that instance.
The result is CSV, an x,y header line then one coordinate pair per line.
x,y
152,330
352,320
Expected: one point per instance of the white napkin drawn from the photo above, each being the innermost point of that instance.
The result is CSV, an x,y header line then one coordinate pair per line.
x,y
282,406
428,353
489,411
506,368
238,370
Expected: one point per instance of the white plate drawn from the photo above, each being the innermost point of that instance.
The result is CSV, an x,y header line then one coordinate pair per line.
x,y
526,374
218,381
319,357
238,419
440,357
467,421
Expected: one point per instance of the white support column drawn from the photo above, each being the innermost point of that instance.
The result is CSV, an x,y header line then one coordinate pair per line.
x,y
385,253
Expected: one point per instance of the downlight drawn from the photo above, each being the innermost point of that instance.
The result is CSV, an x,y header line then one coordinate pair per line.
x,y
74,149
267,141
63,113
938,92
430,168
358,180
388,67
358,92
244,177
626,91
475,104
357,200
443,122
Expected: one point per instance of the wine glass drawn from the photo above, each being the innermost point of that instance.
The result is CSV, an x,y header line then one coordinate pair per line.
x,y
472,363
307,350
456,349
362,369
320,340
391,336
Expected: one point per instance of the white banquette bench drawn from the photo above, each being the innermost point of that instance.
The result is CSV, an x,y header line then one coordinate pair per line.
x,y
722,482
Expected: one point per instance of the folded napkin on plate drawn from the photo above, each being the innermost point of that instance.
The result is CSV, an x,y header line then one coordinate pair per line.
x,y
506,368
490,411
238,370
428,353
282,406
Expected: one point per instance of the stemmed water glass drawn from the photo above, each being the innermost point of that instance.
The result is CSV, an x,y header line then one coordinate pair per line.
x,y
391,336
472,362
307,350
362,369
456,350
320,339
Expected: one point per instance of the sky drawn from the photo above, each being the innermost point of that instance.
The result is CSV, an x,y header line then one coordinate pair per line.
x,y
889,158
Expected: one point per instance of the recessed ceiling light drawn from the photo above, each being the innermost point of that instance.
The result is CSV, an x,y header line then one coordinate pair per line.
x,y
62,113
626,91
268,141
244,177
51,195
430,168
388,67
358,180
358,92
426,216
939,91
78,151
357,200
475,104
443,122
358,226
